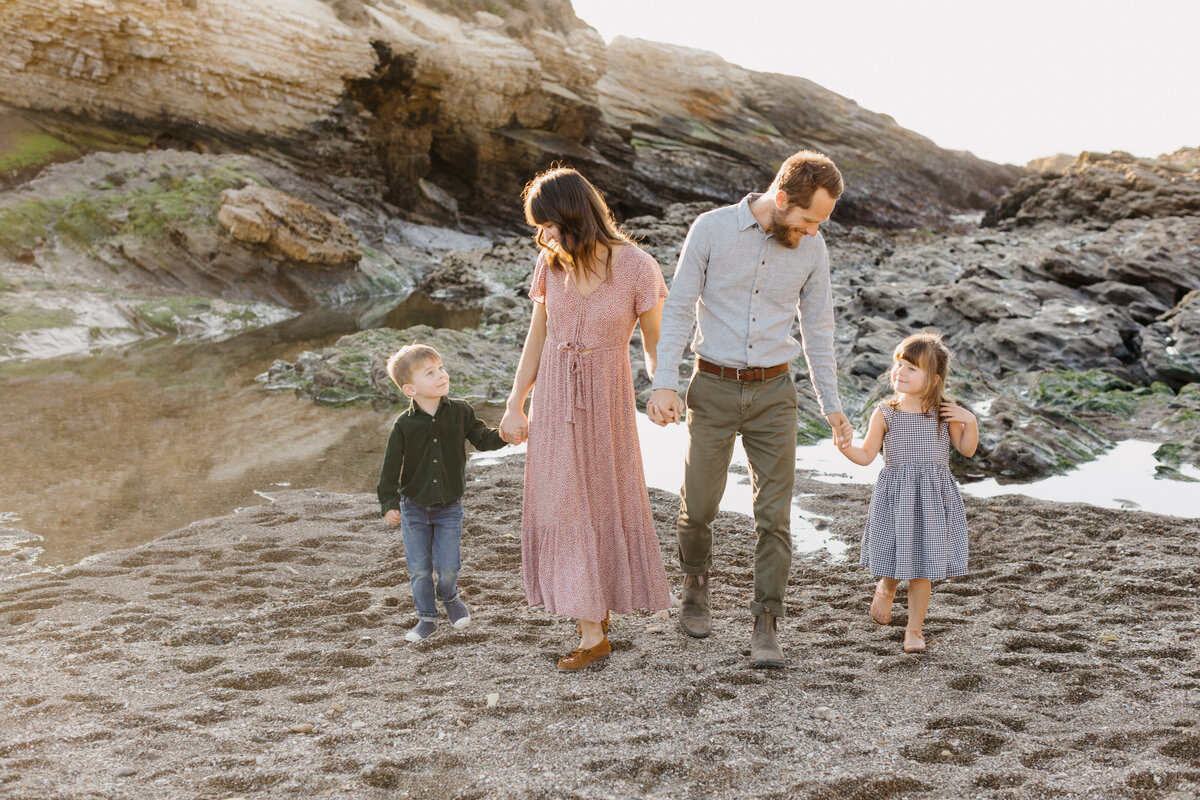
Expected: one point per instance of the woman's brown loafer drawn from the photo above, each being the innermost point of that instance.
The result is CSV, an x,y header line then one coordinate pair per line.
x,y
581,658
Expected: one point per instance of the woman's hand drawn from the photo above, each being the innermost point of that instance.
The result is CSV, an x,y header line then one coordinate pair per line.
x,y
514,426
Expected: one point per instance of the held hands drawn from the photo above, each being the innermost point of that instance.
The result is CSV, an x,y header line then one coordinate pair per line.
x,y
665,405
514,426
392,517
843,431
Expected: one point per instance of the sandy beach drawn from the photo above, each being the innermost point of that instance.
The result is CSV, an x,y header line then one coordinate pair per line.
x,y
260,654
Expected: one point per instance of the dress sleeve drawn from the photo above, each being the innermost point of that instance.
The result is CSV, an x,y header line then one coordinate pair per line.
x,y
537,288
888,412
651,288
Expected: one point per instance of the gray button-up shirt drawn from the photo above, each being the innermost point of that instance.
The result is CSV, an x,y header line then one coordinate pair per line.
x,y
743,289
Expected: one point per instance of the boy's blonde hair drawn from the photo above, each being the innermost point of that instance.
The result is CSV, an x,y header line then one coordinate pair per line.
x,y
404,362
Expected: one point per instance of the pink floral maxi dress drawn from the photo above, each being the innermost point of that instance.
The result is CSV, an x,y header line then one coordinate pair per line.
x,y
588,543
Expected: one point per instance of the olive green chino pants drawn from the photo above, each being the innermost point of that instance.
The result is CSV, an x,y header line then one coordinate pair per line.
x,y
764,413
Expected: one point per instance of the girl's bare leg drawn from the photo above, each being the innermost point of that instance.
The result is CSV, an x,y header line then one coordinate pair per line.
x,y
919,590
881,603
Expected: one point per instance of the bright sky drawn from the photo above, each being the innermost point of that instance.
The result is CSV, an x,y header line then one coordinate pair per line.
x,y
1008,81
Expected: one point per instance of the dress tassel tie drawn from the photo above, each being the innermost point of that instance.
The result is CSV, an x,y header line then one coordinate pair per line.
x,y
576,390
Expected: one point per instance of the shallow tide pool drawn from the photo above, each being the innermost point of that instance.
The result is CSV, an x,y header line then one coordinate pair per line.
x,y
1123,478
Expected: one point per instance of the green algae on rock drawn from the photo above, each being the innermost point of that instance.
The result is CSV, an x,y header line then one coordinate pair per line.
x,y
481,363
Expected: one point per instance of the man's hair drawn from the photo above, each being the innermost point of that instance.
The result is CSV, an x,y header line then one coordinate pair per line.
x,y
405,361
805,172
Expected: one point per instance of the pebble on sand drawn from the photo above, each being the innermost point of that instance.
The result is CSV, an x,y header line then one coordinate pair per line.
x,y
493,700
125,772
824,712
303,727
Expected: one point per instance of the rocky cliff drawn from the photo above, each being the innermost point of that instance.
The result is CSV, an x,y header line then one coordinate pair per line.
x,y
454,107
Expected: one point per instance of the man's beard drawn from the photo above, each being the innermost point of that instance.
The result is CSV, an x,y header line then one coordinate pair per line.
x,y
785,234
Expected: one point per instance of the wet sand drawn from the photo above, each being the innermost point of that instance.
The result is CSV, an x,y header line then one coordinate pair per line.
x,y
1064,666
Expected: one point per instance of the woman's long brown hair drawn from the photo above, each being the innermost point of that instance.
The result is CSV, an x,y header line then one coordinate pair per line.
x,y
564,198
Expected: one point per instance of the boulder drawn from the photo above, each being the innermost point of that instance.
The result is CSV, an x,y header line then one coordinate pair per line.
x,y
287,228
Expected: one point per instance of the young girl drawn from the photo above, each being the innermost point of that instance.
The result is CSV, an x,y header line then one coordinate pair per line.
x,y
916,525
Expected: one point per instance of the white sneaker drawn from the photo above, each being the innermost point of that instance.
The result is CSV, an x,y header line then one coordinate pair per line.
x,y
459,614
423,630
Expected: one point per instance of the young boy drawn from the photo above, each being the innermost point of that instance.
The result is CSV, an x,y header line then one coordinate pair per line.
x,y
421,483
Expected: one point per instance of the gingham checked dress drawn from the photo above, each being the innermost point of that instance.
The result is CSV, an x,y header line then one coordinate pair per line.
x,y
916,525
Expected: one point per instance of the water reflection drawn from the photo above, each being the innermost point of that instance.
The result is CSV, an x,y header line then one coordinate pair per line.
x,y
116,449
1123,478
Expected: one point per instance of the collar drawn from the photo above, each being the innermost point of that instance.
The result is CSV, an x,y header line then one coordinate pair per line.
x,y
745,217
415,410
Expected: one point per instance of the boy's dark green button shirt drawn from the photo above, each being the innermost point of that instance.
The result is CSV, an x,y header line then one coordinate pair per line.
x,y
426,460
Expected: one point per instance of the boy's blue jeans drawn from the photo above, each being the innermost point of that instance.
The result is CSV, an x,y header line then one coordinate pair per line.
x,y
431,544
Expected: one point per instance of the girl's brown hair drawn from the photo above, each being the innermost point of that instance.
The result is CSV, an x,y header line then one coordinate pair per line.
x,y
928,352
564,198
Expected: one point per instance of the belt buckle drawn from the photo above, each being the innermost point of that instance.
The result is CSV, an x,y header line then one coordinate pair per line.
x,y
740,370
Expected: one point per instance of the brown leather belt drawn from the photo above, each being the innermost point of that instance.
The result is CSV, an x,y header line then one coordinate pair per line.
x,y
741,373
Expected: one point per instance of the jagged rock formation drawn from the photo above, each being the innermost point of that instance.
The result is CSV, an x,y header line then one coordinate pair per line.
x,y
455,107
1104,187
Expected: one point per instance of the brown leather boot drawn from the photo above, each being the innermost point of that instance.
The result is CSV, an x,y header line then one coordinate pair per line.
x,y
695,616
764,646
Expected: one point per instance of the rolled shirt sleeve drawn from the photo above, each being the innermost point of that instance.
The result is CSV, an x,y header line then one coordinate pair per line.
x,y
816,330
679,312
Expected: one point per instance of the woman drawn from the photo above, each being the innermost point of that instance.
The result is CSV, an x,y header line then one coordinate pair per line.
x,y
588,544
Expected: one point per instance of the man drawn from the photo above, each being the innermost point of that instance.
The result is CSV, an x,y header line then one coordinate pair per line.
x,y
744,272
